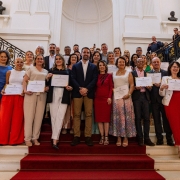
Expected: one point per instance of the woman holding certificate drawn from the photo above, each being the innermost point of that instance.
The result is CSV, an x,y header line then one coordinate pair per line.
x,y
122,123
103,101
4,67
11,114
171,92
35,100
58,96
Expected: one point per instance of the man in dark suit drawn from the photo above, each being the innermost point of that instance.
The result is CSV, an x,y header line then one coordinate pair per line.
x,y
84,76
141,99
158,108
49,60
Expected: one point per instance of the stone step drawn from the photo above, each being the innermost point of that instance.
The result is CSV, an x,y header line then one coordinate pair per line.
x,y
170,175
152,129
167,163
10,162
7,175
14,150
162,150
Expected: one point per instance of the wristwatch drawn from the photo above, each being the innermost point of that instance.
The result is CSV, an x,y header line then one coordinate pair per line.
x,y
129,95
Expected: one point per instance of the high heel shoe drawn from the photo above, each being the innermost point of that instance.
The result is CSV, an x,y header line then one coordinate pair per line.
x,y
101,140
106,141
118,141
55,146
125,142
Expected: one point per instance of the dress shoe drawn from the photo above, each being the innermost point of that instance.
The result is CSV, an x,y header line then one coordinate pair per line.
x,y
159,142
55,146
75,141
170,142
141,142
88,141
148,142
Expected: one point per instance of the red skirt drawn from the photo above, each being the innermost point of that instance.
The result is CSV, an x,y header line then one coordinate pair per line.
x,y
173,116
12,120
102,110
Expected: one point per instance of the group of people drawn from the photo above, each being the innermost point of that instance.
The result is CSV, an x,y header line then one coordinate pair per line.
x,y
93,78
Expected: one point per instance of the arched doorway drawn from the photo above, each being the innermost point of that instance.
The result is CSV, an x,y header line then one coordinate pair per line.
x,y
87,22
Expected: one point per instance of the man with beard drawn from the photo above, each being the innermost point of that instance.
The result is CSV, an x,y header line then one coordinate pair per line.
x,y
49,60
84,76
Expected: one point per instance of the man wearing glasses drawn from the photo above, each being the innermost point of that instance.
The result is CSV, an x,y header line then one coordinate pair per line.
x,y
139,51
176,34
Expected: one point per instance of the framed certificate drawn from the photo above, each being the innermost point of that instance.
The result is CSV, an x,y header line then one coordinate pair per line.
x,y
143,81
121,91
59,80
156,77
13,89
36,86
174,84
112,69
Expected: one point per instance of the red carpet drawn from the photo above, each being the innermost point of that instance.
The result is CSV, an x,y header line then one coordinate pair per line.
x,y
82,162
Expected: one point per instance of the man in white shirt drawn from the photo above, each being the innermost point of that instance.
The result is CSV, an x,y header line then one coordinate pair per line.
x,y
84,77
49,60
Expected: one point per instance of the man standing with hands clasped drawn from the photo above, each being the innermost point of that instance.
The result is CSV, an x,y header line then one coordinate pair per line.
x,y
84,76
158,107
141,100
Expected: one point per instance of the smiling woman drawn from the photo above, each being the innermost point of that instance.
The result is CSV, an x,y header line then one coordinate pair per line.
x,y
4,67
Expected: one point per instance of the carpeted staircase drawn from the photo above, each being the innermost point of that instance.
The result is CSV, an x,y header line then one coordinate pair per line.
x,y
86,163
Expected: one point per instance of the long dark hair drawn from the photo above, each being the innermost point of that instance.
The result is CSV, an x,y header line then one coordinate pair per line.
x,y
132,62
7,55
170,66
94,55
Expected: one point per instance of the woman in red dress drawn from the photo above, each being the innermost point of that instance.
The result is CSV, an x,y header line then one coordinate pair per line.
x,y
171,101
102,101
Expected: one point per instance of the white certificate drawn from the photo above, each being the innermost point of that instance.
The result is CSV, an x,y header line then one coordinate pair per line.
x,y
112,68
156,77
60,80
13,89
143,81
36,86
164,65
174,84
121,91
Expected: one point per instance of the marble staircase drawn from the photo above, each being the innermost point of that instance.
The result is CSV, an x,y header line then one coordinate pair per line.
x,y
166,159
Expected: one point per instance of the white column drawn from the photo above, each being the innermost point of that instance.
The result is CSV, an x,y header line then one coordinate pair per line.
x,y
118,22
131,8
148,8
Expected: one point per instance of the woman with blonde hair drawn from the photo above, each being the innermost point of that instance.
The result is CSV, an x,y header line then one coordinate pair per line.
x,y
34,102
58,98
29,59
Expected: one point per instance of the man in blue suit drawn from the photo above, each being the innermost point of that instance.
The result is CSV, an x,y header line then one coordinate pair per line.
x,y
84,77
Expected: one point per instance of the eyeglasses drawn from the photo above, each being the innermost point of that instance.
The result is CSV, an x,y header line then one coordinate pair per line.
x,y
139,50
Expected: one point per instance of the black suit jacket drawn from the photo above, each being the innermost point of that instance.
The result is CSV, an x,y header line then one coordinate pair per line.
x,y
46,62
154,93
136,93
77,77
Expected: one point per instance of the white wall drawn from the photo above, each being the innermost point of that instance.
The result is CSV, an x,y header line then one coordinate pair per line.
x,y
124,23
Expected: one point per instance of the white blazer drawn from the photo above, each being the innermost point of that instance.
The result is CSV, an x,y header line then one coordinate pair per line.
x,y
167,94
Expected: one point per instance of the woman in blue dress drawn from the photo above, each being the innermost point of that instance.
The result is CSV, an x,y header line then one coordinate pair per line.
x,y
4,67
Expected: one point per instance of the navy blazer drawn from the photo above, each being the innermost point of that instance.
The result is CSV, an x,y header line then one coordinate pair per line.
x,y
136,93
154,93
77,77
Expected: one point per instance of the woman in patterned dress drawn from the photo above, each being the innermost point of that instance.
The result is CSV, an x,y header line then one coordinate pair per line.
x,y
122,123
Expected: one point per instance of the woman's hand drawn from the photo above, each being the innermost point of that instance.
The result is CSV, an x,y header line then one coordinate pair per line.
x,y
126,96
164,86
3,92
69,88
46,89
49,76
28,92
109,101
